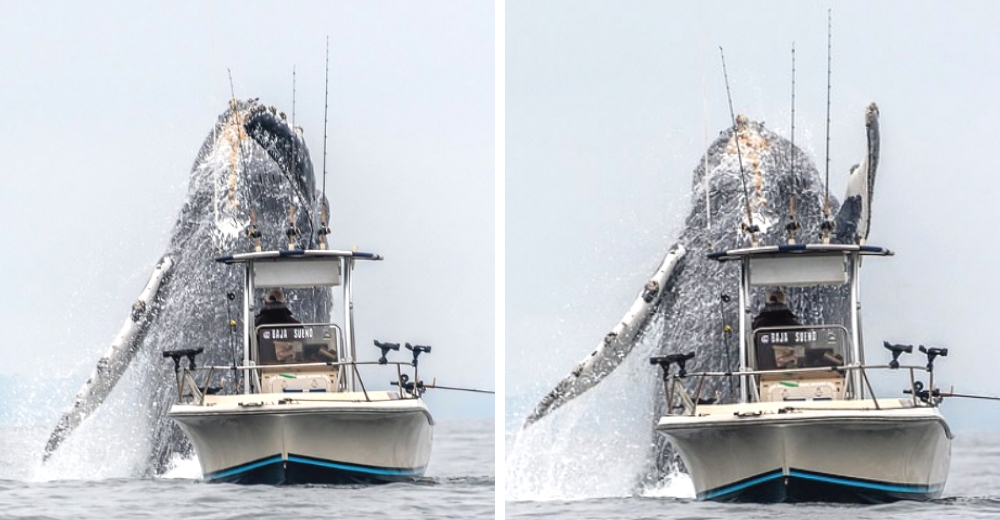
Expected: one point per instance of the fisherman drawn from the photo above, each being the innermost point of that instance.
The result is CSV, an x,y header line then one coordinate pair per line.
x,y
275,311
776,312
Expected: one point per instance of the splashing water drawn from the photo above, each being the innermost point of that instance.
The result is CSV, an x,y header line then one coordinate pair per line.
x,y
600,445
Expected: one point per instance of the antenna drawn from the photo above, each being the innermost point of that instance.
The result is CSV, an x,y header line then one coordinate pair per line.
x,y
793,225
827,223
751,228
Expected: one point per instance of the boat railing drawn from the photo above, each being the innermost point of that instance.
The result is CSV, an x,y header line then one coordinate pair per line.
x,y
189,391
681,401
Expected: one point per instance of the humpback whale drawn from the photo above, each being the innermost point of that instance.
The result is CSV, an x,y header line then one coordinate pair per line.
x,y
252,180
689,311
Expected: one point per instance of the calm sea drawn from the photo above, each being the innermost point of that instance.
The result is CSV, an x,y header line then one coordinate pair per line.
x,y
459,484
973,491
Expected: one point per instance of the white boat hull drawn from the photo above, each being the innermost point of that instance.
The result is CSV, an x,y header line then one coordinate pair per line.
x,y
333,439
839,453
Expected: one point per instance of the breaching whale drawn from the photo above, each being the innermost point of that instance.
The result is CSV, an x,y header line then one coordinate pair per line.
x,y
682,308
252,180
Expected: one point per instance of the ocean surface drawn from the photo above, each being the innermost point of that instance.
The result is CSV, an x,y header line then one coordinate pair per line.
x,y
972,491
459,483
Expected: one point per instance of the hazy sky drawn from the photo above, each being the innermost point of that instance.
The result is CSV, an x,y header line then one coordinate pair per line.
x,y
105,105
606,121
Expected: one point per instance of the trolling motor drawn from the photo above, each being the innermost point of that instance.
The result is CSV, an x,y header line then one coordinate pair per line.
x,y
386,347
176,355
896,351
933,352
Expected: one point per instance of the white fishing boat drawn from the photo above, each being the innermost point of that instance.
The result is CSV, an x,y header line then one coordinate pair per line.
x,y
806,424
301,412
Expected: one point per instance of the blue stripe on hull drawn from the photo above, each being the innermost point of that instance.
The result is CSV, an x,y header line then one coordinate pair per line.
x,y
298,469
804,486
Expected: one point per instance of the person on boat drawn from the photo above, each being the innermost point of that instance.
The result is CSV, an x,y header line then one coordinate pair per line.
x,y
776,312
275,312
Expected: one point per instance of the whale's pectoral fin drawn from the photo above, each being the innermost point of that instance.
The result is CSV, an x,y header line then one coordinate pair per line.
x,y
854,218
848,218
616,345
115,361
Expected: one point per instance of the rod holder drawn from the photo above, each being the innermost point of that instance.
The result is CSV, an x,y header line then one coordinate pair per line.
x,y
933,352
896,350
385,347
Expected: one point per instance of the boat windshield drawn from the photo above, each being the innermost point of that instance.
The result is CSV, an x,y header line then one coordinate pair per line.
x,y
285,344
800,346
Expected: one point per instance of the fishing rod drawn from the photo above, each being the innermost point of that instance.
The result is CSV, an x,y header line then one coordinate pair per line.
x,y
324,228
230,296
433,385
295,152
751,228
936,393
968,396
727,331
828,225
793,224
420,385
252,232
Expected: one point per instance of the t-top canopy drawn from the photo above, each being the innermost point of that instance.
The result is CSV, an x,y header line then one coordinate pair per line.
x,y
800,249
296,268
294,254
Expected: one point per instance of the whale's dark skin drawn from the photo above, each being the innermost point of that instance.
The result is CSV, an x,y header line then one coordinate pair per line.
x,y
251,160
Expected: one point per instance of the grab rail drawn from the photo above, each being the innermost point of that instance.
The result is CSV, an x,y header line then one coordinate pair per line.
x,y
187,385
674,389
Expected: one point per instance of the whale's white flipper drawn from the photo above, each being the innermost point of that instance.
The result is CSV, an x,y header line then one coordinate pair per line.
x,y
617,343
115,361
854,219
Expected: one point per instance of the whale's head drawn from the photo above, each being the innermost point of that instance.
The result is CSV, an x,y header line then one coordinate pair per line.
x,y
253,175
749,179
